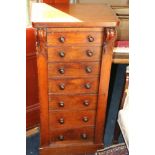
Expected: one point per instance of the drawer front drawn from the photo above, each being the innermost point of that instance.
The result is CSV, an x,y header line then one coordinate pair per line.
x,y
77,37
79,134
73,53
72,102
71,119
73,85
73,69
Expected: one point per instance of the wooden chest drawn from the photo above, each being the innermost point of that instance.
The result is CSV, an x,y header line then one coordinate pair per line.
x,y
74,56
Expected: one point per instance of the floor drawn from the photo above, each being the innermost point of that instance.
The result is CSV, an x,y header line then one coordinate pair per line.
x,y
115,87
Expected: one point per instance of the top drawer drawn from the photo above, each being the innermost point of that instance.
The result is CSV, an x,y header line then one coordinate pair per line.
x,y
71,36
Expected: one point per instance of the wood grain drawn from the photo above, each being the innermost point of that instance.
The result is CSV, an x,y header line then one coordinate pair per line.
x,y
43,89
110,36
62,95
89,15
72,135
71,119
73,85
77,37
74,53
73,102
73,148
80,69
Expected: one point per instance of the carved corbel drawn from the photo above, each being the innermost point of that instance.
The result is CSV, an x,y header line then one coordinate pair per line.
x,y
41,42
110,34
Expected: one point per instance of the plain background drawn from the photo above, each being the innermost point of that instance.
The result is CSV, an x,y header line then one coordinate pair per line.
x,y
13,77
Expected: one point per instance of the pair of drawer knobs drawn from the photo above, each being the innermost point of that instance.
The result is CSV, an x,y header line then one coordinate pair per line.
x,y
62,86
62,121
88,52
62,39
61,103
87,69
83,136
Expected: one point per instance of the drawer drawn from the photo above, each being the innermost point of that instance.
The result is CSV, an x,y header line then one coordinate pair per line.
x,y
71,119
72,102
74,53
74,37
73,69
77,134
73,85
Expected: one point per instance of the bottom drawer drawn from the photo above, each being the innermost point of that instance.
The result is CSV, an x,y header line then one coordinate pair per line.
x,y
83,134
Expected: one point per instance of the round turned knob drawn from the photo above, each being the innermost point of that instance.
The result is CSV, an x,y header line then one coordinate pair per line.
x,y
85,119
89,53
90,39
61,70
62,86
87,86
61,121
86,102
61,104
62,39
88,69
61,137
84,136
61,54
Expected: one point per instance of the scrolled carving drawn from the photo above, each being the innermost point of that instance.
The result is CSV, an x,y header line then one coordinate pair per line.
x,y
41,42
110,33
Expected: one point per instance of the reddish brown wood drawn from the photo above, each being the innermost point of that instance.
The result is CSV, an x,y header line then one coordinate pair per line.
x,y
73,148
72,85
72,102
80,69
73,53
84,13
32,102
32,116
110,37
82,134
43,88
71,118
77,37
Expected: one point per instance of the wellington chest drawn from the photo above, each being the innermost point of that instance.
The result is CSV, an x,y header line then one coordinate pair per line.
x,y
74,56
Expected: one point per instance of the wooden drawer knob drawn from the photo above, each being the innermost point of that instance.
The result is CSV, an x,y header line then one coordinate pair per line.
x,y
88,69
61,104
62,39
61,70
84,136
90,38
61,137
85,119
87,86
86,102
89,53
62,86
61,121
62,54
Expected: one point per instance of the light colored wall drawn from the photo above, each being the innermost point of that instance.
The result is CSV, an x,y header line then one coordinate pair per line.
x,y
111,2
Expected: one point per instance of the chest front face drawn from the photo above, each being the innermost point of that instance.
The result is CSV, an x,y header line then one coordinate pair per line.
x,y
74,62
73,70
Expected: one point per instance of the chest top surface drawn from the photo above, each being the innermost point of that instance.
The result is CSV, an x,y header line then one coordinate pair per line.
x,y
73,15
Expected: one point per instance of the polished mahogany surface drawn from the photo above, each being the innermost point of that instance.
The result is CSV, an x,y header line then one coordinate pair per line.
x,y
74,57
77,15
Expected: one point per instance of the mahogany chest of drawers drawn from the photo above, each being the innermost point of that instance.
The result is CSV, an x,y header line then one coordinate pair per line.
x,y
74,55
